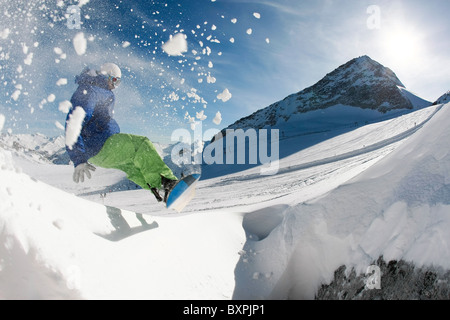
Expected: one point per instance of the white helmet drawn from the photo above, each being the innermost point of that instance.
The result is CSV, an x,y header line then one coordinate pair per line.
x,y
113,71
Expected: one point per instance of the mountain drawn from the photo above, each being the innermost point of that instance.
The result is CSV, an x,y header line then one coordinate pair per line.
x,y
443,99
358,93
361,82
36,147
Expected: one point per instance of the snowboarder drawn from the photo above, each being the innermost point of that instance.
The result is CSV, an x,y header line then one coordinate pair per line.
x,y
100,142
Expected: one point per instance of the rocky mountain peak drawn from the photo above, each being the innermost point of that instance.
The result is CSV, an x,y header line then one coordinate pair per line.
x,y
361,82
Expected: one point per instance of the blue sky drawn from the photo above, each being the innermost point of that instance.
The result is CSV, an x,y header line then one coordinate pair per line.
x,y
292,45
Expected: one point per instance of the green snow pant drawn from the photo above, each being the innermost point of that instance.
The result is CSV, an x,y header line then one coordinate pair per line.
x,y
137,157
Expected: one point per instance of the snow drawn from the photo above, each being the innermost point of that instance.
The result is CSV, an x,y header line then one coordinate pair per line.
x,y
16,94
64,106
244,236
201,115
74,126
218,118
80,43
61,82
4,34
29,59
225,95
32,269
176,45
2,121
51,97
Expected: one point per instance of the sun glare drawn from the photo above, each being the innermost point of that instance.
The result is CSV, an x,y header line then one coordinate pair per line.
x,y
402,44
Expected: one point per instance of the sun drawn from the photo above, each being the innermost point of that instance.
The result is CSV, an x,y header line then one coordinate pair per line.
x,y
402,44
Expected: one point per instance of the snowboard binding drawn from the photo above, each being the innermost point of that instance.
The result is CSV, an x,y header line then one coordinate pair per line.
x,y
167,185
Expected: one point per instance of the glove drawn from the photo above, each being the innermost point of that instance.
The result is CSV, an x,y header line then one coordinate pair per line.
x,y
81,170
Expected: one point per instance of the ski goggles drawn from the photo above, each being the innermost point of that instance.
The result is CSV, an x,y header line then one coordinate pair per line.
x,y
114,80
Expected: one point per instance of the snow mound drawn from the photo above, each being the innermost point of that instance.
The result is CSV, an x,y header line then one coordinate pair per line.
x,y
398,208
55,245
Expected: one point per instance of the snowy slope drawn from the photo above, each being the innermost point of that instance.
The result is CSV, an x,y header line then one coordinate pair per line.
x,y
398,208
52,248
244,235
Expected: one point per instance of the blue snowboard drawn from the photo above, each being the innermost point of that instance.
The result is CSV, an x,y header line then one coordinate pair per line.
x,y
182,193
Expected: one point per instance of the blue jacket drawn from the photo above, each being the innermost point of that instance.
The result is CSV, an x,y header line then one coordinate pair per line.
x,y
97,101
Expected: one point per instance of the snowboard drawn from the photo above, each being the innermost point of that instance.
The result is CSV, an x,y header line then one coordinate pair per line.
x,y
182,193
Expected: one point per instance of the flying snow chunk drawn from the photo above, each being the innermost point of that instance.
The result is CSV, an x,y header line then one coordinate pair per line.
x,y
5,34
257,15
267,40
174,97
211,79
80,43
29,59
15,95
65,106
59,125
61,82
249,31
74,125
2,121
201,115
234,20
176,46
51,97
82,2
125,44
224,96
218,118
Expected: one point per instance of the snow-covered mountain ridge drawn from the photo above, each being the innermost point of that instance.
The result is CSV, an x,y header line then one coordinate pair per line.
x,y
443,99
36,147
361,82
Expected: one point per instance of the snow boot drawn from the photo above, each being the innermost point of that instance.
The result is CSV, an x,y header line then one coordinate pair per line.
x,y
155,193
167,185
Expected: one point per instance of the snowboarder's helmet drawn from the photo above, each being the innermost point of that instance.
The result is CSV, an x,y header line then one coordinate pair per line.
x,y
112,71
